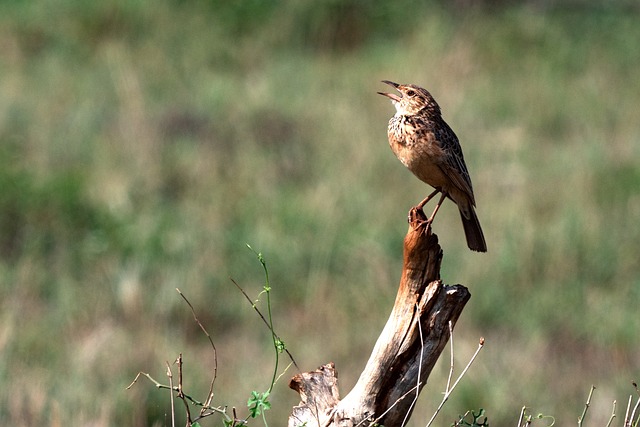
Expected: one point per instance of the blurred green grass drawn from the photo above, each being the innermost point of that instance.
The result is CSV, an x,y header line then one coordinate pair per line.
x,y
143,144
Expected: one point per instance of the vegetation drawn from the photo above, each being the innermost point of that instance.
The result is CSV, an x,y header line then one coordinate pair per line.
x,y
144,144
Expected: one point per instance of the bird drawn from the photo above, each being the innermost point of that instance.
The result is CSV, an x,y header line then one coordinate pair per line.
x,y
428,147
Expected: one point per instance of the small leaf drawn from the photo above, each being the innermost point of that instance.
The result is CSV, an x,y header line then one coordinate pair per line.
x,y
258,403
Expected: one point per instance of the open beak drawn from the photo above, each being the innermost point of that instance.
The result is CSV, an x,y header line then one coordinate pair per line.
x,y
392,96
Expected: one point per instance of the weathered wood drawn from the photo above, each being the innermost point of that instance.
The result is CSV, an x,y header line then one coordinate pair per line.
x,y
405,353
319,393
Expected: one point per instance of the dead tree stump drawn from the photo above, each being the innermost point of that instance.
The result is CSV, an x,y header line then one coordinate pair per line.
x,y
405,353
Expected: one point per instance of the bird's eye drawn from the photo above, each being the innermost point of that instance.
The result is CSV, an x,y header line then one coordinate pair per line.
x,y
410,93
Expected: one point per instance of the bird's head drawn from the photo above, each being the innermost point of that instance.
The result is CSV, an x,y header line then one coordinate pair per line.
x,y
411,100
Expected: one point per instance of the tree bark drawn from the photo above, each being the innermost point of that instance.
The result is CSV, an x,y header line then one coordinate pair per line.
x,y
405,353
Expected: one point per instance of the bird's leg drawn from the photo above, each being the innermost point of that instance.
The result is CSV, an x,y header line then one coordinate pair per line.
x,y
424,202
433,215
413,214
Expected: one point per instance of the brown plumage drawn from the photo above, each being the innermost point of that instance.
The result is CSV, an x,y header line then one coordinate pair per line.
x,y
425,144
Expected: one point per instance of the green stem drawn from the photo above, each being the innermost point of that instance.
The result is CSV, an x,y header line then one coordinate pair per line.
x,y
274,338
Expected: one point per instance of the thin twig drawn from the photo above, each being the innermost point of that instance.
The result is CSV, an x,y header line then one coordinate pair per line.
x,y
613,414
283,372
586,406
215,352
181,394
633,414
522,411
451,364
217,409
626,415
265,321
464,371
135,380
173,409
389,408
457,423
415,399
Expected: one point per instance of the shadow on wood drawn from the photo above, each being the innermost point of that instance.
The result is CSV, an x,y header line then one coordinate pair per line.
x,y
405,353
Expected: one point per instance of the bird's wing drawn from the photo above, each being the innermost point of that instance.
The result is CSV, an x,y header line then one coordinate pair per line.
x,y
454,165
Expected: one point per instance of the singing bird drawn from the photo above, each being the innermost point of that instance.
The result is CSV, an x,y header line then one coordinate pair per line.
x,y
424,143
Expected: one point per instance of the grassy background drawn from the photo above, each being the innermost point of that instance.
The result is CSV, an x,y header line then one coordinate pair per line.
x,y
142,144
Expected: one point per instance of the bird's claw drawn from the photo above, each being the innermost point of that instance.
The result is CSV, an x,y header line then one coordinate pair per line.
x,y
417,219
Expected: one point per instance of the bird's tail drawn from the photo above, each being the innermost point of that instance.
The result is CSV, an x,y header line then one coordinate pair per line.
x,y
473,231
